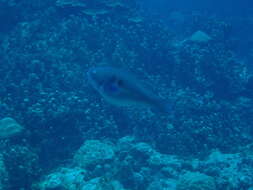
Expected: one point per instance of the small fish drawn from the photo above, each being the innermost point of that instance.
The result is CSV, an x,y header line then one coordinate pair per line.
x,y
121,88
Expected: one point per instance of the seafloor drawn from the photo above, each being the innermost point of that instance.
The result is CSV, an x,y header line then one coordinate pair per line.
x,y
57,133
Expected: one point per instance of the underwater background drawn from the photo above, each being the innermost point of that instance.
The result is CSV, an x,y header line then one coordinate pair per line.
x,y
59,133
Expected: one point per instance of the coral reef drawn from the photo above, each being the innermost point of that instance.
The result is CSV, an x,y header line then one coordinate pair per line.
x,y
196,181
136,165
65,178
9,127
22,166
72,138
3,174
94,152
200,37
231,171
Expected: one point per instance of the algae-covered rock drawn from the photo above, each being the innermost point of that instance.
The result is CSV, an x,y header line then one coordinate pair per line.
x,y
9,127
126,143
77,179
142,150
64,178
102,183
70,3
22,164
200,37
233,171
3,173
94,152
196,181
162,184
158,160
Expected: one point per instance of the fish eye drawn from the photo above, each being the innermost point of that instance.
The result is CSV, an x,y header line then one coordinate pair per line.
x,y
117,81
120,82
101,83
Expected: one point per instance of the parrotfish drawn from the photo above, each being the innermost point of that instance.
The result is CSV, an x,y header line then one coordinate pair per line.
x,y
122,88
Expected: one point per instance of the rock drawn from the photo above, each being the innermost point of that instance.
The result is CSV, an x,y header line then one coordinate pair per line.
x,y
196,181
77,178
169,172
200,37
231,170
126,143
216,157
70,3
22,164
102,183
159,160
9,127
52,181
3,173
218,163
95,12
92,184
142,151
94,152
163,184
65,178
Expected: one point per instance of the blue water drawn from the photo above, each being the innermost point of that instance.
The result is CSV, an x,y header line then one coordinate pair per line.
x,y
196,55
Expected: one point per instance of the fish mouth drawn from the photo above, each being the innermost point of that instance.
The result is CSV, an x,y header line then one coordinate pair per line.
x,y
90,73
91,77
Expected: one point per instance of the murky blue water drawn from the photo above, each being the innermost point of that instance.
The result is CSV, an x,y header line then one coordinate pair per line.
x,y
58,132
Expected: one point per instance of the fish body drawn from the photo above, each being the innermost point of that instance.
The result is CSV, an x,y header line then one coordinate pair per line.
x,y
121,88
